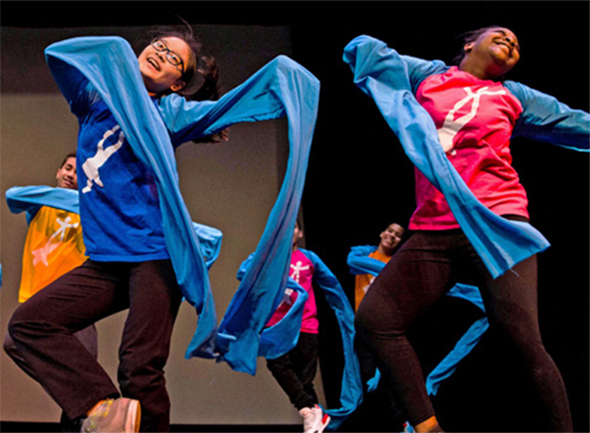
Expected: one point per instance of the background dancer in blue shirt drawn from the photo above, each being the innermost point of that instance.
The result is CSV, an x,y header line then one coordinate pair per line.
x,y
475,113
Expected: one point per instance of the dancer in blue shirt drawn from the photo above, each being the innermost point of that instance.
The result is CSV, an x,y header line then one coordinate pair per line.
x,y
143,251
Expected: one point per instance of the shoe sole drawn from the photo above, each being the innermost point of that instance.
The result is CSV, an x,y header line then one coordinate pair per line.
x,y
325,421
133,417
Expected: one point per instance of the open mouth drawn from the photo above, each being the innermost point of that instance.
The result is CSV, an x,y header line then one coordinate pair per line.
x,y
505,45
154,63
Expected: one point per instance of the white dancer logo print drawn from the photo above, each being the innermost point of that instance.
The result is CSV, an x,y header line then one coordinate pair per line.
x,y
91,165
452,126
40,254
296,275
296,271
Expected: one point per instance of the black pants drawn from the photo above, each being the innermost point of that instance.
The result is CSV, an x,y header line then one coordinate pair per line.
x,y
87,336
380,404
296,370
43,331
425,268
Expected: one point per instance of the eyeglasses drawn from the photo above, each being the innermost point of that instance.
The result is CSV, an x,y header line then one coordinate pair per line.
x,y
171,56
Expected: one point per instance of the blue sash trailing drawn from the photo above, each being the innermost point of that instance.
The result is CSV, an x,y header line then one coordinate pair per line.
x,y
283,336
30,199
280,88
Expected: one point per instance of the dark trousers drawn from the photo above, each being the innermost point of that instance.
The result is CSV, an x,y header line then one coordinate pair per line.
x,y
43,331
425,268
296,370
87,336
379,405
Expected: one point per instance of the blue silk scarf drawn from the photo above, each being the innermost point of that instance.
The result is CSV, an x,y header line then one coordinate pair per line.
x,y
30,199
282,337
281,88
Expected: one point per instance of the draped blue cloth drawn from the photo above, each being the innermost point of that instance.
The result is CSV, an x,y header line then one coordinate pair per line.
x,y
30,199
282,337
280,88
382,73
360,263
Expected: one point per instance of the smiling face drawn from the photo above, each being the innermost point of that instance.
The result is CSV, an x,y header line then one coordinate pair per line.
x,y
159,74
391,238
493,54
66,175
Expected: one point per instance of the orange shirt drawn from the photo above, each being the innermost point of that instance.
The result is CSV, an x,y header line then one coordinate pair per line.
x,y
54,246
363,282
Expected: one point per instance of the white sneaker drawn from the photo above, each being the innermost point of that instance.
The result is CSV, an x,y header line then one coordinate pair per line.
x,y
314,419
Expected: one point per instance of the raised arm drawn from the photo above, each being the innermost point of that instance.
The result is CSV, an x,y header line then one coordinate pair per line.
x,y
360,263
30,199
371,58
546,119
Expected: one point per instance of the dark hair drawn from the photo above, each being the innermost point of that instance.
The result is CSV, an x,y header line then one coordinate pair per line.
x,y
298,223
201,73
68,156
468,37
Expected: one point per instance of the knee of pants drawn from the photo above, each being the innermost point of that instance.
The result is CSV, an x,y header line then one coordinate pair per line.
x,y
523,342
370,323
17,325
9,346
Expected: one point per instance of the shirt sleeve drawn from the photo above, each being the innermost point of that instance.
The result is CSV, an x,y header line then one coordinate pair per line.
x,y
546,119
360,263
370,56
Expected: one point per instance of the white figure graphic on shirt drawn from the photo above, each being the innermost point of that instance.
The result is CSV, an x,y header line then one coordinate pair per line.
x,y
296,270
41,254
452,126
296,275
64,225
91,165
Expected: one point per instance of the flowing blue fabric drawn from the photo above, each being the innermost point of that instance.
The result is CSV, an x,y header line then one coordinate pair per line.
x,y
30,199
280,338
351,394
360,263
283,336
282,87
382,74
297,92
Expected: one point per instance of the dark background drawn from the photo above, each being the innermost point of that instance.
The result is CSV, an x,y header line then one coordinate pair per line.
x,y
359,180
